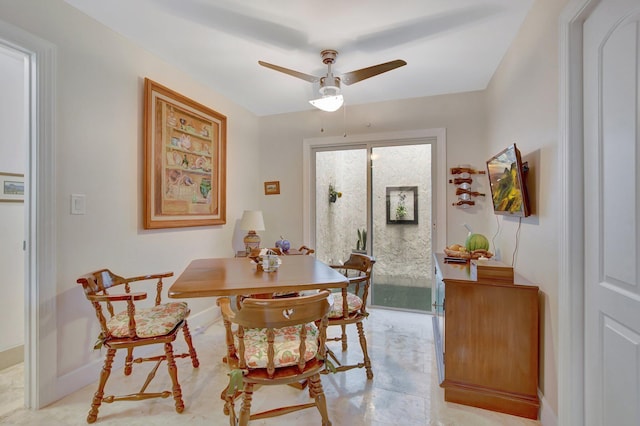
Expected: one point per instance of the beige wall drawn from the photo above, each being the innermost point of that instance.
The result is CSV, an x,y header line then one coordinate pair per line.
x,y
99,153
522,101
99,110
281,139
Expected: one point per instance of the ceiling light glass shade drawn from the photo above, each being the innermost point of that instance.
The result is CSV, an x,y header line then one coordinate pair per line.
x,y
328,103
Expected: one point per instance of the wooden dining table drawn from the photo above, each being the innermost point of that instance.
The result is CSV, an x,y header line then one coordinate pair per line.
x,y
241,276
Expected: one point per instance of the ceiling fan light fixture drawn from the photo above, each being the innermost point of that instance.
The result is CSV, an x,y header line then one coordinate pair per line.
x,y
328,103
331,99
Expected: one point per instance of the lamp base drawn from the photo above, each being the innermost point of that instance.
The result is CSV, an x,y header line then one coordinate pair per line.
x,y
251,241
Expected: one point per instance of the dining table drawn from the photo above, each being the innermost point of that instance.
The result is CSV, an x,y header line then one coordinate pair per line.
x,y
239,276
242,276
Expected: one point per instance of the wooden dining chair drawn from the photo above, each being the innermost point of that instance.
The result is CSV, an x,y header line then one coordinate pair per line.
x,y
350,307
275,342
306,250
136,326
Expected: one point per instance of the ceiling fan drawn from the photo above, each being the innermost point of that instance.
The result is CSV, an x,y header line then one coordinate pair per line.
x,y
331,97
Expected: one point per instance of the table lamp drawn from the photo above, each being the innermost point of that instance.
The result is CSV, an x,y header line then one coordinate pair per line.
x,y
252,221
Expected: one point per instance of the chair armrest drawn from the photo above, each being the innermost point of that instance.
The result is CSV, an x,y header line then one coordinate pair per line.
x,y
116,297
149,277
225,307
158,277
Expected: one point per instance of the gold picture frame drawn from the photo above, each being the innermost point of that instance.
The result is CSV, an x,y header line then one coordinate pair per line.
x,y
272,187
184,161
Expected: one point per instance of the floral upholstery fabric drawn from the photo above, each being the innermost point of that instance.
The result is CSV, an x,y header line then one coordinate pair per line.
x,y
150,322
286,345
353,302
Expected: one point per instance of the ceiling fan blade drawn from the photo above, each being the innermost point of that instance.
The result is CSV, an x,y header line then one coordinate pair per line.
x,y
298,74
364,73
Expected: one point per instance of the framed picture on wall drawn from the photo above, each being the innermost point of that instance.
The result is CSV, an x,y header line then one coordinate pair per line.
x,y
402,205
11,187
272,188
184,161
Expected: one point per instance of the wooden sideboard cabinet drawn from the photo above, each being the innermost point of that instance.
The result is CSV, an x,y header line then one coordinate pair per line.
x,y
486,338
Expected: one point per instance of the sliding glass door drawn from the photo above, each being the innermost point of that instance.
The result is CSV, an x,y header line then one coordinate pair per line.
x,y
401,221
377,198
341,203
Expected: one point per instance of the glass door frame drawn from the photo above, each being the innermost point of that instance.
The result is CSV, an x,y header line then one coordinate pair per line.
x,y
435,137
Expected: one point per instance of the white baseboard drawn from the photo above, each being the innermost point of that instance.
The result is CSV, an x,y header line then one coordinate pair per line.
x,y
88,373
547,416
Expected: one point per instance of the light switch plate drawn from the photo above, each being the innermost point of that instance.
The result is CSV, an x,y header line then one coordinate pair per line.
x,y
78,204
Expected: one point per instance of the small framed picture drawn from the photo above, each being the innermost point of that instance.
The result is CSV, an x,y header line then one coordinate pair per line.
x,y
272,188
11,187
402,205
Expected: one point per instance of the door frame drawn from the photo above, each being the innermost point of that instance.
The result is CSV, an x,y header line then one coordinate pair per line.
x,y
40,364
438,164
571,298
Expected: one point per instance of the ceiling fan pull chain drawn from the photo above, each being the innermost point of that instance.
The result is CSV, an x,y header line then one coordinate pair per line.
x,y
344,118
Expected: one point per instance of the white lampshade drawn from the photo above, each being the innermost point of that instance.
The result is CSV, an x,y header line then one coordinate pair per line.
x,y
252,221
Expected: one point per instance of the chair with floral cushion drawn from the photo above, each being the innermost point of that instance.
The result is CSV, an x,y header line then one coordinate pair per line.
x,y
350,307
275,342
135,326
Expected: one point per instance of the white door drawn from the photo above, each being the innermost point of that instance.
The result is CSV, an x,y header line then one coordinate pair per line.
x,y
612,227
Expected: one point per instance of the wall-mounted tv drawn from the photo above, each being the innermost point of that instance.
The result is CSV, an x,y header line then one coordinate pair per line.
x,y
507,177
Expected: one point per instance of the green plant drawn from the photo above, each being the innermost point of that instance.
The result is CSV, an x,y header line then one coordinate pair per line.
x,y
401,209
361,244
333,194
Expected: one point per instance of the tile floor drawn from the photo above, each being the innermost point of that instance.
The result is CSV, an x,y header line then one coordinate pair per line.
x,y
404,390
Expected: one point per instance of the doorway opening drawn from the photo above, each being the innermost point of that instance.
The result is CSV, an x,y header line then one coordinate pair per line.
x,y
40,335
377,198
13,167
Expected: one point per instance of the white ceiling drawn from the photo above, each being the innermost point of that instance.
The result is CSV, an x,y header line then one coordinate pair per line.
x,y
450,45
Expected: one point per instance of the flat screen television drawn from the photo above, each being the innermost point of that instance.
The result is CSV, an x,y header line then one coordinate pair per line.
x,y
507,178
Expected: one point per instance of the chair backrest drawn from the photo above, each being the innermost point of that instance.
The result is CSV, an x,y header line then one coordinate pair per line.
x,y
360,263
279,313
98,283
358,270
272,314
306,250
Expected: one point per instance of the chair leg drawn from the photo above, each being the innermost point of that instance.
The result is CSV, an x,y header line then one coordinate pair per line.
x,y
104,375
229,405
315,388
245,411
173,373
192,350
128,362
363,344
344,336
